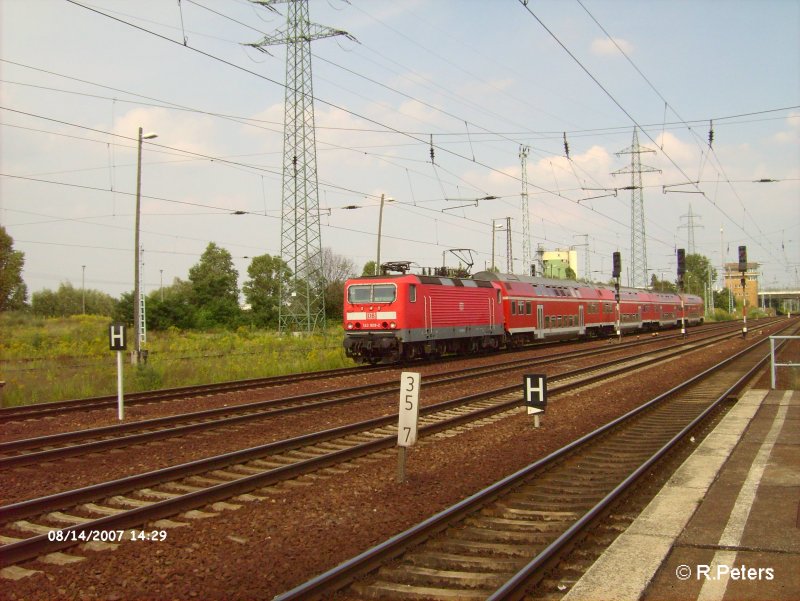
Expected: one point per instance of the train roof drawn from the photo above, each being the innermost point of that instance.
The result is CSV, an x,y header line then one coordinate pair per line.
x,y
429,279
511,278
483,279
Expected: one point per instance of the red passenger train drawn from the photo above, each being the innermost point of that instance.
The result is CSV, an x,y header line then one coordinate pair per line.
x,y
392,317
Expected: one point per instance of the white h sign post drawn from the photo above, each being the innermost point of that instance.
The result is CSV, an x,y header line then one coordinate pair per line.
x,y
535,387
118,341
407,422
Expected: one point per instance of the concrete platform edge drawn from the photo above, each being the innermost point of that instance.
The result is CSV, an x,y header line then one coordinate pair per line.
x,y
626,568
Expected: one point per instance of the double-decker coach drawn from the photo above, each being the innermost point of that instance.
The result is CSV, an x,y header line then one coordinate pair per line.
x,y
536,308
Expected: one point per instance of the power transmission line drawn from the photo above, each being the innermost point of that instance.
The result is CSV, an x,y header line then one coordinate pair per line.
x,y
638,277
302,304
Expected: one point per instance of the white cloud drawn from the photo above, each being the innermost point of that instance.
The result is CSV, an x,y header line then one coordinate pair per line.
x,y
608,47
186,131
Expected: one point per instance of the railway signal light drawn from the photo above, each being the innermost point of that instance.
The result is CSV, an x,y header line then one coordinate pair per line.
x,y
617,268
742,258
681,263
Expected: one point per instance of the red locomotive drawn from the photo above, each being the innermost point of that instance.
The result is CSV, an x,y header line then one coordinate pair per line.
x,y
392,317
395,317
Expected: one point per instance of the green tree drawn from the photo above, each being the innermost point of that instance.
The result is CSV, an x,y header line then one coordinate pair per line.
x,y
68,300
369,268
722,299
698,274
333,271
171,306
13,291
215,291
262,290
661,285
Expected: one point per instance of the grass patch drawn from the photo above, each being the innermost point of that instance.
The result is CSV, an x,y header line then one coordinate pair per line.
x,y
63,358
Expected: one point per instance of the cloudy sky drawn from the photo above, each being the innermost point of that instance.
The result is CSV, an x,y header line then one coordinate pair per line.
x,y
476,79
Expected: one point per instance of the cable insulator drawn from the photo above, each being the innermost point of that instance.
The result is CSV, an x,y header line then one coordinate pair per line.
x,y
566,145
710,133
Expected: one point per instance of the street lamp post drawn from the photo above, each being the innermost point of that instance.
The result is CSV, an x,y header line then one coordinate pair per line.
x,y
380,227
137,307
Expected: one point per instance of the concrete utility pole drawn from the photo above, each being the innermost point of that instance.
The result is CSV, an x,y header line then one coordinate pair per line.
x,y
526,219
302,304
138,296
638,277
509,247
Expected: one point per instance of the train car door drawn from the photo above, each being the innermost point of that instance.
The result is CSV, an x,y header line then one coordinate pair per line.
x,y
581,322
428,309
540,321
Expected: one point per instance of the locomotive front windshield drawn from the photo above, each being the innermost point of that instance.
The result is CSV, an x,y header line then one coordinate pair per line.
x,y
371,293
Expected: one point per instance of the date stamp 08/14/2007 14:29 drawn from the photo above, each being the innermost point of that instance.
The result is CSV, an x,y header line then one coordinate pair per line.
x,y
106,536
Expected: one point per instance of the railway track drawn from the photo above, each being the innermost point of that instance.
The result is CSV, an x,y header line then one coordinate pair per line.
x,y
54,408
132,399
70,444
499,542
233,477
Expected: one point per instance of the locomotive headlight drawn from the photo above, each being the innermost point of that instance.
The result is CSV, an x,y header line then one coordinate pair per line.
x,y
393,325
349,326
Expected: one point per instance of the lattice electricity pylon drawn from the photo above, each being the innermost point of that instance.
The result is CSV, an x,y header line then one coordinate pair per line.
x,y
302,302
638,240
526,219
690,225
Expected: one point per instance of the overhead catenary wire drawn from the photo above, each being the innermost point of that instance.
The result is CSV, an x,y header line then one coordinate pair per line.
x,y
440,140
525,5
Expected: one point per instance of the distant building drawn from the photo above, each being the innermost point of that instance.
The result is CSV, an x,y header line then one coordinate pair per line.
x,y
733,282
556,262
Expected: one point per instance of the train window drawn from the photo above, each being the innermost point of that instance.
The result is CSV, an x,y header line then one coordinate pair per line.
x,y
521,307
513,307
383,293
412,293
371,293
528,307
359,294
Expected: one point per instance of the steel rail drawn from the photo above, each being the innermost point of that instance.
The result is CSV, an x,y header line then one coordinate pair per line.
x,y
38,545
154,396
164,394
170,426
128,483
515,587
343,574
